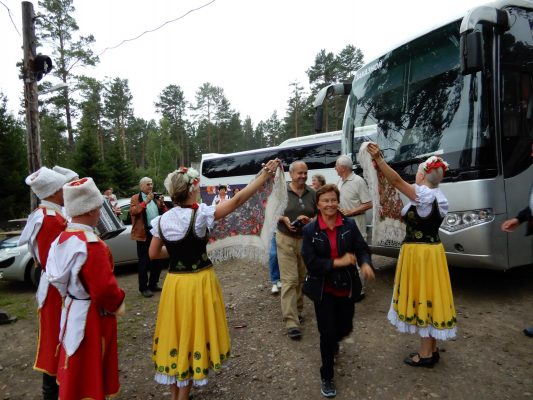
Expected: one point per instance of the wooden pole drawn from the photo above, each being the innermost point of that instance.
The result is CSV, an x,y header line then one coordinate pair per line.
x,y
31,104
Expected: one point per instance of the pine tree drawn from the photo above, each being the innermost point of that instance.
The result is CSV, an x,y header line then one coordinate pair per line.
x,y
15,199
57,28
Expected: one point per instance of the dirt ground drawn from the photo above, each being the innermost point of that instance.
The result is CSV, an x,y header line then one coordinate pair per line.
x,y
491,358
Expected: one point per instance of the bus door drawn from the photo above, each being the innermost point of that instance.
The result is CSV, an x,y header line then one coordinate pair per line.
x,y
517,141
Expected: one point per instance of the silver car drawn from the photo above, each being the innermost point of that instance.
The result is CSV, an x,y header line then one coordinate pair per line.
x,y
16,262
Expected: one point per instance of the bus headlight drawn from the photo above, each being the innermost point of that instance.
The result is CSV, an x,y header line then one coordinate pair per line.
x,y
456,221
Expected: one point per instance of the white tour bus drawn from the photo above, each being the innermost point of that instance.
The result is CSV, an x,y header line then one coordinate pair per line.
x,y
463,91
236,170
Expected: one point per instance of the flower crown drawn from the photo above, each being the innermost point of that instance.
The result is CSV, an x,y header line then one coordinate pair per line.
x,y
191,175
434,162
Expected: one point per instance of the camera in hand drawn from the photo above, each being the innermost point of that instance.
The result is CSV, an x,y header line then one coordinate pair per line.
x,y
158,196
298,224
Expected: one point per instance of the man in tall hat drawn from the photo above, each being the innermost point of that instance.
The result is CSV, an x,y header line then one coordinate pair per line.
x,y
80,266
70,176
44,224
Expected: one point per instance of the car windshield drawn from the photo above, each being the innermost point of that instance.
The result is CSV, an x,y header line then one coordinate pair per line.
x,y
9,242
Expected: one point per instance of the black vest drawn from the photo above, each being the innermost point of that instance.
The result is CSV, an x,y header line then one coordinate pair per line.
x,y
188,254
422,229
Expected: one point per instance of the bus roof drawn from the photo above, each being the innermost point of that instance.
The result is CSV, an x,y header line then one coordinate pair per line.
x,y
302,140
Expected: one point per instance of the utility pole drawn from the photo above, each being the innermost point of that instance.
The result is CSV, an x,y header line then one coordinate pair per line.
x,y
31,103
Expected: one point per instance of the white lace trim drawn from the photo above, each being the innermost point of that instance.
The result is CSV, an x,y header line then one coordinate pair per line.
x,y
429,331
164,379
424,201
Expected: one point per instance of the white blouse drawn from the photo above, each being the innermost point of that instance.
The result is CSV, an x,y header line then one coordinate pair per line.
x,y
175,222
425,197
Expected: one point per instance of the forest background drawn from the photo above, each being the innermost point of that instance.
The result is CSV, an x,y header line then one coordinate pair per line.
x,y
90,126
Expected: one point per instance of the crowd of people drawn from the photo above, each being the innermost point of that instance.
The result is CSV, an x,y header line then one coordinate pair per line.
x,y
319,250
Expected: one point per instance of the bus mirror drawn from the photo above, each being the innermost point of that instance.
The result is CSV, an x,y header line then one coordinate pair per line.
x,y
319,116
470,47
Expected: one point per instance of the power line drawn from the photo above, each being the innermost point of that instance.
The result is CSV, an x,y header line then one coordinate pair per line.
x,y
10,17
155,29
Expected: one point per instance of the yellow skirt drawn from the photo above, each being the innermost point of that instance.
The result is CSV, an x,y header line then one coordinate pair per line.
x,y
191,333
422,300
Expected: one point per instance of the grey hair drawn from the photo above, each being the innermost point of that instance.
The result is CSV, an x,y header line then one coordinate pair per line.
x,y
144,180
345,161
294,163
434,177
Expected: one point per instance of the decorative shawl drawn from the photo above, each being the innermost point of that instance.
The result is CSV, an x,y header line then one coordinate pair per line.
x,y
387,226
247,232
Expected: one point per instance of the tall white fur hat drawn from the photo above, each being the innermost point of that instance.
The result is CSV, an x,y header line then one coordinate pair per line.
x,y
44,182
69,174
81,196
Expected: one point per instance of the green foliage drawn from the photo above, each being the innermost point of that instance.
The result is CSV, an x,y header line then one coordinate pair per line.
x,y
85,160
121,173
53,142
15,200
160,154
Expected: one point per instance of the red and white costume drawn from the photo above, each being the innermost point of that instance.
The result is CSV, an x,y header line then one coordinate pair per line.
x,y
44,225
80,266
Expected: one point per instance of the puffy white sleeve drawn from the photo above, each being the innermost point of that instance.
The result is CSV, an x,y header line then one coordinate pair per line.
x,y
155,226
425,197
205,217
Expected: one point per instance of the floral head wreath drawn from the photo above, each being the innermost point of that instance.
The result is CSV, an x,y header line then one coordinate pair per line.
x,y
434,162
191,175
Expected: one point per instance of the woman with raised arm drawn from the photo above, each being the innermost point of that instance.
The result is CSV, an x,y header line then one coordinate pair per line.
x,y
191,334
422,299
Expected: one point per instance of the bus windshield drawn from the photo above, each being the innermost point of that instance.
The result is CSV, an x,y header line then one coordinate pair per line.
x,y
421,105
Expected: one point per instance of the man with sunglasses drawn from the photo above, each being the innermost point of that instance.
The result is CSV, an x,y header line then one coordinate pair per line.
x,y
301,208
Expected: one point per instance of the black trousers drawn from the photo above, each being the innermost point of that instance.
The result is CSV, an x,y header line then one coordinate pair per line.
x,y
334,317
147,266
50,388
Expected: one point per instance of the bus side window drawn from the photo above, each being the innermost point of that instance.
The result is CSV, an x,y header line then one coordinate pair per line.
x,y
517,121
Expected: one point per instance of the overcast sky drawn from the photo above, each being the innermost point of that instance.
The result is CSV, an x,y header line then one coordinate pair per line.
x,y
252,49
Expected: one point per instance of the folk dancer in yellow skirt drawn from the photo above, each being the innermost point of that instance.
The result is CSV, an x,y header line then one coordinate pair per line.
x,y
191,334
422,300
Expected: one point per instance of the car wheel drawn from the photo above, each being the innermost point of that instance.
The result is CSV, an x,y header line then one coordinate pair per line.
x,y
33,271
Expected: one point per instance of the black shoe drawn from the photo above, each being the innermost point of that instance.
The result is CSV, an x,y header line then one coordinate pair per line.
x,y
294,333
435,355
427,362
156,289
529,331
147,293
327,388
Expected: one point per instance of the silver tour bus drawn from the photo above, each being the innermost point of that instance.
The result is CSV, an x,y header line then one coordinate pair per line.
x,y
463,91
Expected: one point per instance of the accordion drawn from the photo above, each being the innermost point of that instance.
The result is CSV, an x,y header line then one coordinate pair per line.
x,y
109,225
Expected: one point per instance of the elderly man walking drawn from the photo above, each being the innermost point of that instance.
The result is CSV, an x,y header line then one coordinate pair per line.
x,y
301,208
354,195
144,207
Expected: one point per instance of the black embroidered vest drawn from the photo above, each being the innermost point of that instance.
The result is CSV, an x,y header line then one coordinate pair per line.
x,y
188,254
422,229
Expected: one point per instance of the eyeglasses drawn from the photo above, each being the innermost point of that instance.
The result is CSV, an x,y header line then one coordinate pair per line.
x,y
302,205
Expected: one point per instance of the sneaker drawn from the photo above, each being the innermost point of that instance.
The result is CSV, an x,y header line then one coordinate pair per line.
x,y
327,388
275,289
278,284
294,333
147,293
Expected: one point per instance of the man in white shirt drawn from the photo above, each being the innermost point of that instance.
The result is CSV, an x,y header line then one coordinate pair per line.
x,y
355,198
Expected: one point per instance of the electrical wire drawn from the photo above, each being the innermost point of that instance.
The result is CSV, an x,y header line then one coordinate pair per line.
x,y
155,29
10,17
